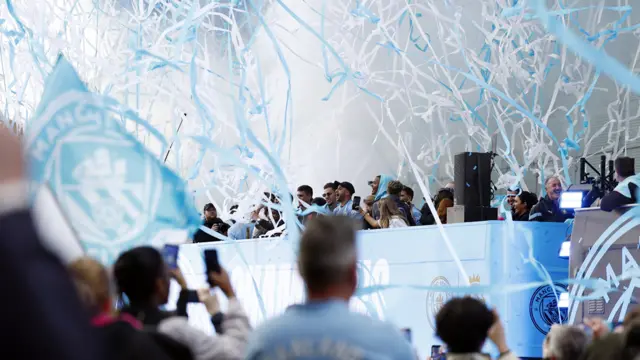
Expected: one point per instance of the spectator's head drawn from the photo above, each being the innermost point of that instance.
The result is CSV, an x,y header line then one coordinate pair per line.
x,y
450,185
345,191
468,314
210,212
625,167
329,193
444,193
327,257
319,201
553,186
395,188
305,194
379,186
375,184
406,195
92,282
564,343
524,202
142,276
631,348
511,196
388,209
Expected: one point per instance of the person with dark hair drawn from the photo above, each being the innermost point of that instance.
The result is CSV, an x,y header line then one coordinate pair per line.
x,y
345,203
329,195
626,191
548,208
406,196
324,325
522,206
464,325
441,202
142,275
211,221
305,195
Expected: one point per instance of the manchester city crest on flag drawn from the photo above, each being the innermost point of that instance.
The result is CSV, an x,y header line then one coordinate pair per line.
x,y
115,193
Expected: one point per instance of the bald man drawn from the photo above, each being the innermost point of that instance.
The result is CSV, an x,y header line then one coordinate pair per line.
x,y
548,208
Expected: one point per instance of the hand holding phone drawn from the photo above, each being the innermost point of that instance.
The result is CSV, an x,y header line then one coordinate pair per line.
x,y
170,255
356,203
216,275
211,260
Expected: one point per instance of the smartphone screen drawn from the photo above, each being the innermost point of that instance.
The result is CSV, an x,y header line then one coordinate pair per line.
x,y
435,351
356,203
170,255
211,260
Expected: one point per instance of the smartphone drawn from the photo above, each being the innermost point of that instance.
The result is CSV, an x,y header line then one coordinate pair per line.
x,y
407,334
356,203
211,260
170,255
435,351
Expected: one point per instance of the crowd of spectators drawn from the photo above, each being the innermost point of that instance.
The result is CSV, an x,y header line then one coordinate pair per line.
x,y
54,312
389,204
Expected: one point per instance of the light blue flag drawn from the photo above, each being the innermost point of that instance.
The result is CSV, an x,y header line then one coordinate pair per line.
x,y
115,193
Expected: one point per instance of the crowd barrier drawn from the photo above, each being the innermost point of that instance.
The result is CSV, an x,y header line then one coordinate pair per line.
x,y
400,271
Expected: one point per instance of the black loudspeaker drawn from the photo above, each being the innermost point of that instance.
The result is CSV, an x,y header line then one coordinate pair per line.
x,y
472,178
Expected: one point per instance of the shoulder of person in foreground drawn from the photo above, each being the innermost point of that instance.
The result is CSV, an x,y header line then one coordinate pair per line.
x,y
231,344
363,332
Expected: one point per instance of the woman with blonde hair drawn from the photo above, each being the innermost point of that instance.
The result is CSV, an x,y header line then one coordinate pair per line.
x,y
390,216
120,332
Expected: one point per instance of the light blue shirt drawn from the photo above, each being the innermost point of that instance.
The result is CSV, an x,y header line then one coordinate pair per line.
x,y
327,330
347,210
415,212
238,231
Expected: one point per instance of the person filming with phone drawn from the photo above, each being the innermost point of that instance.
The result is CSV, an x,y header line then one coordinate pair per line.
x,y
143,276
347,206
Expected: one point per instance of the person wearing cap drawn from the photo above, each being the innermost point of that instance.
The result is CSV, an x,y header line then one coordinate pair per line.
x,y
345,204
211,221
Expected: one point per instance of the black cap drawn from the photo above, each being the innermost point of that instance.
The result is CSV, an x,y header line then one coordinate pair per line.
x,y
209,206
347,185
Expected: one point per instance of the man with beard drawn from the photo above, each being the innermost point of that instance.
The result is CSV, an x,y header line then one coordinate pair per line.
x,y
211,221
548,208
345,204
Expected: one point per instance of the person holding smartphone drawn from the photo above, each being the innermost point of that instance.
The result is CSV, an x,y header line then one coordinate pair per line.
x,y
211,221
142,275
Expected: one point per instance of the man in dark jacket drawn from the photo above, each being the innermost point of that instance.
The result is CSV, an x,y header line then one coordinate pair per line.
x,y
211,221
548,208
